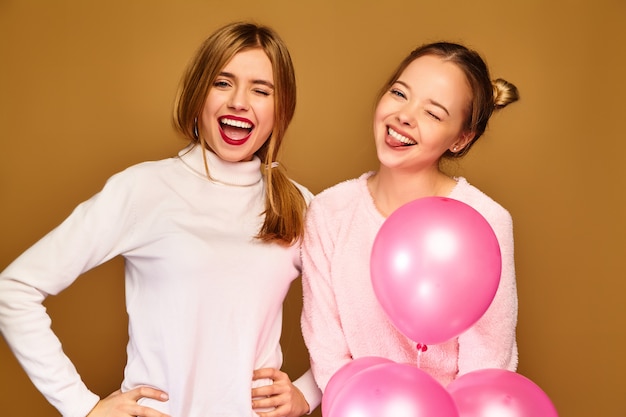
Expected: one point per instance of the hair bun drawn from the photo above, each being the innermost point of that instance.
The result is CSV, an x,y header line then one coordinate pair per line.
x,y
504,93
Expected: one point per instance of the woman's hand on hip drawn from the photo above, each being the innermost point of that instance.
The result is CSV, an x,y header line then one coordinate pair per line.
x,y
282,395
124,404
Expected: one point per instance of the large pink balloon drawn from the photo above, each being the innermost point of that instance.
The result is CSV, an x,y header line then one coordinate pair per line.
x,y
338,380
392,390
435,268
497,392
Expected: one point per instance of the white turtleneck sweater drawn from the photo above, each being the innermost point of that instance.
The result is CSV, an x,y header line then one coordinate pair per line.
x,y
204,298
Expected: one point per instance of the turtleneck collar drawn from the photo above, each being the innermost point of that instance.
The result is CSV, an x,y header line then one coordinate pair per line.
x,y
230,173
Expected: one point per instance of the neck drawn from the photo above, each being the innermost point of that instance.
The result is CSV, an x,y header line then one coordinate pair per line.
x,y
391,188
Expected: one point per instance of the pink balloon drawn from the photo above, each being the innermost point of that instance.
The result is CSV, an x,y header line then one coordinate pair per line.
x,y
392,390
498,392
339,378
435,268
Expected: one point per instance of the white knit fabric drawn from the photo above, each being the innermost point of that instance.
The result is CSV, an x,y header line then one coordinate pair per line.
x,y
204,297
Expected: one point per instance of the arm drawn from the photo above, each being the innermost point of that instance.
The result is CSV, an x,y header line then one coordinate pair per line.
x,y
286,398
125,404
309,389
491,343
321,326
91,235
297,398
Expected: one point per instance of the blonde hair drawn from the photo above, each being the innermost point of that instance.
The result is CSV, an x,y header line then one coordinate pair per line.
x,y
284,205
487,95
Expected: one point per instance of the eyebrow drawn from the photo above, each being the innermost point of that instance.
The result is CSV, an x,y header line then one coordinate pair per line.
x,y
431,101
262,82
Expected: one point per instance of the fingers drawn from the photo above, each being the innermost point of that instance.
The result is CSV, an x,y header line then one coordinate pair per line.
x,y
271,373
147,392
265,397
280,382
148,412
279,399
283,406
264,403
125,404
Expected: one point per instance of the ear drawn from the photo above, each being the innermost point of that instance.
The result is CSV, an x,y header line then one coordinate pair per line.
x,y
464,139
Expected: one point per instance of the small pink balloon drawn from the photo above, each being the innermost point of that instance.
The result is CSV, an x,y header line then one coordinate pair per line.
x,y
435,268
498,392
339,378
392,390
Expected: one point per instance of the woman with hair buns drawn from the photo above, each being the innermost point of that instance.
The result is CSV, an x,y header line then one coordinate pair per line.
x,y
435,106
211,242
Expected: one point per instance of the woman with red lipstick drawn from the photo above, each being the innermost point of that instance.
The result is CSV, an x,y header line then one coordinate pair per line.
x,y
211,242
434,107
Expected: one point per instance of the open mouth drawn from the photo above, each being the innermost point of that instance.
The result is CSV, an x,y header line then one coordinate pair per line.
x,y
400,138
235,129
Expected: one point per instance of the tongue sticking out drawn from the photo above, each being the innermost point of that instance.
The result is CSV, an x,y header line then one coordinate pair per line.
x,y
395,139
235,133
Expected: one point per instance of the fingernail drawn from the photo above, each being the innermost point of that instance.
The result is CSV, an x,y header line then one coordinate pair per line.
x,y
164,396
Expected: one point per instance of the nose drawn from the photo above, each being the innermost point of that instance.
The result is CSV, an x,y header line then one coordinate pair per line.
x,y
238,99
406,115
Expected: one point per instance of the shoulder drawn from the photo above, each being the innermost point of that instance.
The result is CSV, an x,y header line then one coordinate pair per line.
x,y
308,195
335,212
144,169
141,178
149,167
490,209
341,196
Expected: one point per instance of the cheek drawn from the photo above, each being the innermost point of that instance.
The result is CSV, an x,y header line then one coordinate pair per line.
x,y
269,117
209,110
379,116
213,100
263,108
265,122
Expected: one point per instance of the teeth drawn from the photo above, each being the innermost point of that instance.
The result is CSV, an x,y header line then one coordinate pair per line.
x,y
400,137
236,123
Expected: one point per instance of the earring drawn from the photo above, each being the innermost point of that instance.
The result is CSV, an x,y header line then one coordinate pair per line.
x,y
195,127
455,148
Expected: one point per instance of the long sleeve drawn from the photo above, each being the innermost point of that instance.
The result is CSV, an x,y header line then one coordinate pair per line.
x,y
321,324
183,238
342,318
307,386
306,382
85,239
491,342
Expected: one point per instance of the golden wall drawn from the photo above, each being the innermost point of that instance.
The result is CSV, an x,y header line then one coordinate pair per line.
x,y
86,89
